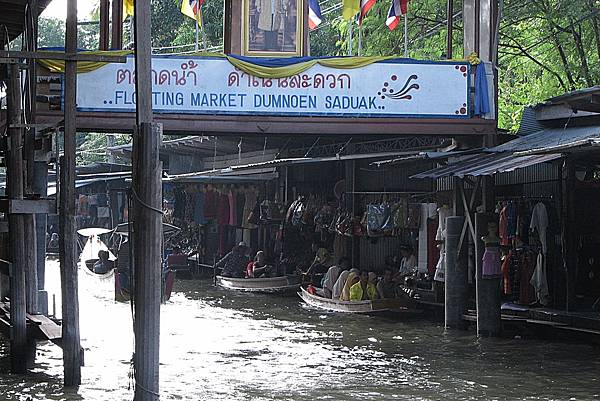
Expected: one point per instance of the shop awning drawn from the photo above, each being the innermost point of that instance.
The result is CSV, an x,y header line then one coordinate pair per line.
x,y
548,139
486,164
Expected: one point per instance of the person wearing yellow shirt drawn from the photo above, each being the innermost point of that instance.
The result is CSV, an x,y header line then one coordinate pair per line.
x,y
365,289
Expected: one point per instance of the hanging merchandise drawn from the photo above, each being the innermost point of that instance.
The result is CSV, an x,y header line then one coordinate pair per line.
x,y
199,208
379,220
539,224
399,214
539,282
443,213
414,216
491,266
231,198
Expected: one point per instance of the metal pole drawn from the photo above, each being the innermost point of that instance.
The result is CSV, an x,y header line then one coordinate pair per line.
x,y
197,32
351,23
406,35
360,38
68,259
147,223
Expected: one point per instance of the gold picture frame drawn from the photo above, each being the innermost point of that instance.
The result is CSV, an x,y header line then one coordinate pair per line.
x,y
273,28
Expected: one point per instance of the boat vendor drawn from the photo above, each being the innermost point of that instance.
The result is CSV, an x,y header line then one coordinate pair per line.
x,y
353,278
258,267
332,276
235,262
365,289
408,263
321,264
103,265
386,287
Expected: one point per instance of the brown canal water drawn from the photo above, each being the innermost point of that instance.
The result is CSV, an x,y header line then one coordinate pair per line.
x,y
221,345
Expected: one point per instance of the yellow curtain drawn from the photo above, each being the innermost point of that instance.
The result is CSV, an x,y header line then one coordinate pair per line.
x,y
256,70
350,8
82,66
128,8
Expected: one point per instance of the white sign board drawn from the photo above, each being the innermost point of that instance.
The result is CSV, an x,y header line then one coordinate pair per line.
x,y
395,88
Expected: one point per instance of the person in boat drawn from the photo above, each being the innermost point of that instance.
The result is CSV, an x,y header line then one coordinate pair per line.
x,y
386,287
364,289
332,276
259,268
235,262
103,265
323,261
123,265
338,287
408,263
353,278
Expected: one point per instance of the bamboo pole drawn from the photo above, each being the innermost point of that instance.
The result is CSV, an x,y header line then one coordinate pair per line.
x,y
68,259
18,343
147,223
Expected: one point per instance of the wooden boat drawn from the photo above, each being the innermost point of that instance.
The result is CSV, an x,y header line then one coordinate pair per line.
x,y
89,253
279,284
123,294
378,306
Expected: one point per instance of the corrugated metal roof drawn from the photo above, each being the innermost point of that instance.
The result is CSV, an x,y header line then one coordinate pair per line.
x,y
486,164
529,123
548,138
425,156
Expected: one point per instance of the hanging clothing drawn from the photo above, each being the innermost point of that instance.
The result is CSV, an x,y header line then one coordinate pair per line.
x,y
511,219
199,209
428,211
506,279
491,267
179,204
503,227
240,198
222,210
231,198
539,223
210,204
539,282
249,204
440,268
443,213
526,290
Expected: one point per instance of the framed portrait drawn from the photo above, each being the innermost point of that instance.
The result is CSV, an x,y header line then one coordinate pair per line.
x,y
273,28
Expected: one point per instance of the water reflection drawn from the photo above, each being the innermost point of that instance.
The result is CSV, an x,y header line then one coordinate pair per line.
x,y
219,345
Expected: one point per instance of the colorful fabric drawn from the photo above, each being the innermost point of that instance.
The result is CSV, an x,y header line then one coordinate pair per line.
x,y
482,103
365,6
128,8
350,8
398,8
358,294
491,263
314,14
345,295
192,9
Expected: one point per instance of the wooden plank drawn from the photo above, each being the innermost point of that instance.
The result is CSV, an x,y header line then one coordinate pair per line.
x,y
67,56
28,206
270,125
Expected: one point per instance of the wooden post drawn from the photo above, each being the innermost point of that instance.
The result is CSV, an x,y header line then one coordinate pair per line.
x,y
18,343
568,235
30,249
104,24
68,257
116,42
40,186
489,319
147,223
455,275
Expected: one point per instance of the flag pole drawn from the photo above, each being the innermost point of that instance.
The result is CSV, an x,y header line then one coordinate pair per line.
x,y
406,35
196,42
204,41
360,36
350,37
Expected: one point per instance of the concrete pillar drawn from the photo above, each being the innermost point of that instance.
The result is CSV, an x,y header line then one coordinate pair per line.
x,y
456,276
489,321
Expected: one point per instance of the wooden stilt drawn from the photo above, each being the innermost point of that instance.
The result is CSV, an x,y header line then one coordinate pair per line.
x,y
117,25
68,258
18,304
31,279
147,201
